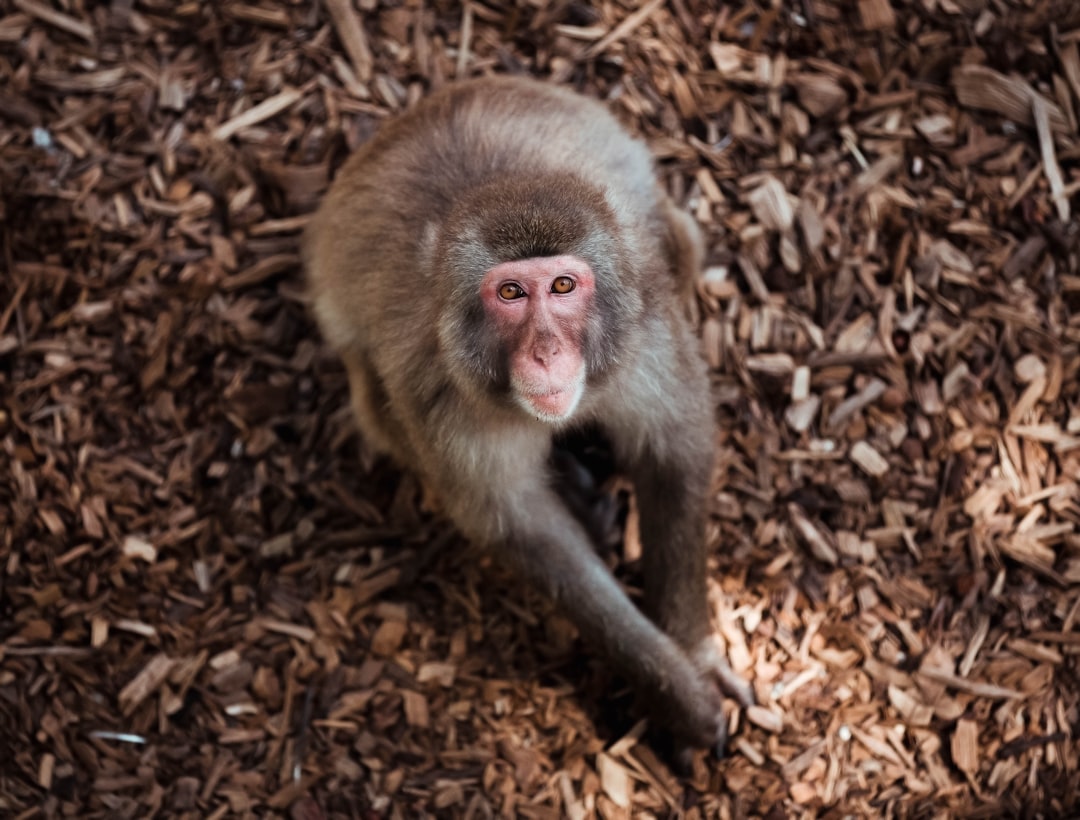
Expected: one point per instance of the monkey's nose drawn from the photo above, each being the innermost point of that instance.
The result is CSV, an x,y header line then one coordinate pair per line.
x,y
545,353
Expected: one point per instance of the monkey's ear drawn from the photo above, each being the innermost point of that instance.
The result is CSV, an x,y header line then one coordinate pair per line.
x,y
685,248
685,245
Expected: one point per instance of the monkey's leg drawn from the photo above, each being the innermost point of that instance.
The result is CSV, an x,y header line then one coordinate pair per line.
x,y
380,433
369,403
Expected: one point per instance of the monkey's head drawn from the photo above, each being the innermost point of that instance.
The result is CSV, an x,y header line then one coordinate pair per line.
x,y
537,299
539,308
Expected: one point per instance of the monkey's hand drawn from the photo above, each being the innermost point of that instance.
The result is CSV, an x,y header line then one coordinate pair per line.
x,y
540,539
690,714
710,660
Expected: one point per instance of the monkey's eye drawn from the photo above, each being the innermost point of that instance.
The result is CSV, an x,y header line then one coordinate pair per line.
x,y
564,284
510,291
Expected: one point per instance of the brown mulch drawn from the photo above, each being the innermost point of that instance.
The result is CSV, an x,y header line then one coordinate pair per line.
x,y
212,605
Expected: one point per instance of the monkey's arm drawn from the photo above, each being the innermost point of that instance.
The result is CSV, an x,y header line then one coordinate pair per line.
x,y
671,492
529,529
551,550
665,441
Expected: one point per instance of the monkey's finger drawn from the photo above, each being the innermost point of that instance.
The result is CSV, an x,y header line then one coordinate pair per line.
x,y
731,683
734,686
711,661
720,745
684,761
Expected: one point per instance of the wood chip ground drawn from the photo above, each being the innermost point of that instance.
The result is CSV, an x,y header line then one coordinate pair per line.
x,y
212,606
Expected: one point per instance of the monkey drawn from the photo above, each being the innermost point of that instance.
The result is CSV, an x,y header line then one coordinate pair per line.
x,y
497,266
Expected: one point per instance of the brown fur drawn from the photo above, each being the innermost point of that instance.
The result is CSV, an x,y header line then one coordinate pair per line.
x,y
485,172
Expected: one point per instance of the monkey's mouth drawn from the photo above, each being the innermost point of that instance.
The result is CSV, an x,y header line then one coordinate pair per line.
x,y
552,406
557,404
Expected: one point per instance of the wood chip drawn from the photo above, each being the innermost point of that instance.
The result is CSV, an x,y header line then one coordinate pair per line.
x,y
624,28
270,107
964,746
765,718
63,22
1041,114
137,547
614,780
145,683
983,88
351,32
876,14
867,459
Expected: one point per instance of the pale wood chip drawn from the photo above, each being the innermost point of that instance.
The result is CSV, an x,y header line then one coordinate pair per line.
x,y
623,29
388,637
867,459
842,413
772,205
857,335
146,682
1036,651
270,107
350,31
303,633
771,364
614,779
800,415
136,627
800,384
819,543
878,747
978,688
964,746
937,129
749,751
1028,368
1041,113
135,546
1048,433
765,718
416,709
803,793
819,94
441,672
876,14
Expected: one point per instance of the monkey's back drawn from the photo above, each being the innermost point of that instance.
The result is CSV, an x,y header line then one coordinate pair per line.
x,y
368,246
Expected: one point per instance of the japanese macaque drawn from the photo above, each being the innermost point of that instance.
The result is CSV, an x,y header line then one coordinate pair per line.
x,y
499,266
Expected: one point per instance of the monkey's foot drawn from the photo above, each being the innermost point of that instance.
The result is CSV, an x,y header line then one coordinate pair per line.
x,y
711,661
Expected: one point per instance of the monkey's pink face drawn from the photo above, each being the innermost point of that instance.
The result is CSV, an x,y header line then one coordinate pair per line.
x,y
540,308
